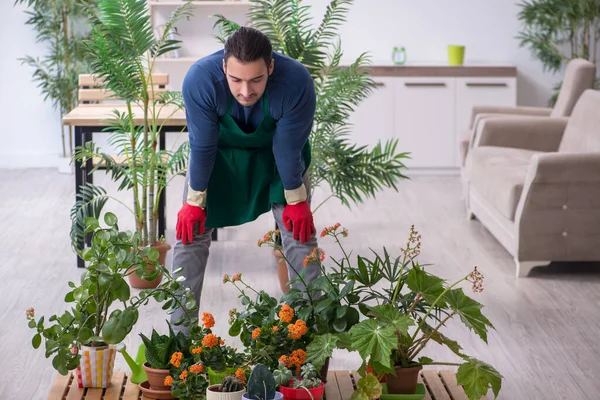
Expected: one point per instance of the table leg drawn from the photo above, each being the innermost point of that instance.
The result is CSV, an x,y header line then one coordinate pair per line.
x,y
79,179
162,201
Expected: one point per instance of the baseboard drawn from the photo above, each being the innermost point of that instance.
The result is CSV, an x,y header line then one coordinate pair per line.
x,y
22,161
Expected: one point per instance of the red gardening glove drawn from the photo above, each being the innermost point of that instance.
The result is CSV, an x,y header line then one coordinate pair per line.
x,y
187,217
299,218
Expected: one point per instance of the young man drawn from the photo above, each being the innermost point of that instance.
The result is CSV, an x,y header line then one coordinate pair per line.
x,y
249,113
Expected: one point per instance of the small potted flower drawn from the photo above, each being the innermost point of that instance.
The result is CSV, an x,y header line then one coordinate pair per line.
x,y
307,386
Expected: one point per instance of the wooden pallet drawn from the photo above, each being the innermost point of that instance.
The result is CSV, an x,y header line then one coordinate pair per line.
x,y
65,388
439,385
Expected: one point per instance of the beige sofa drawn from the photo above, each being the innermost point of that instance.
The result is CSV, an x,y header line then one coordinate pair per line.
x,y
534,183
580,75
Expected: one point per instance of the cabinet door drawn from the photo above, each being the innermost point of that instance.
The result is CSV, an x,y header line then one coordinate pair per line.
x,y
472,92
424,121
373,118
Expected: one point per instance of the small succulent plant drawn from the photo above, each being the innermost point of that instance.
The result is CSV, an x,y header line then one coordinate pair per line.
x,y
261,384
231,383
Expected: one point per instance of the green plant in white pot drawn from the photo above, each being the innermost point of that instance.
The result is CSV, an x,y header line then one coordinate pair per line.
x,y
231,388
103,310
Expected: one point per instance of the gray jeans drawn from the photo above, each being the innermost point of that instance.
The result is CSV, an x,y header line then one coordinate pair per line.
x,y
193,257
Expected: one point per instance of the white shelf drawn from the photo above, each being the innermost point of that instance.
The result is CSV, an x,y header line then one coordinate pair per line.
x,y
171,3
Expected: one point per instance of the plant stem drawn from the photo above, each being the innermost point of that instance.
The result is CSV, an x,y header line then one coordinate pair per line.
x,y
434,304
425,338
323,202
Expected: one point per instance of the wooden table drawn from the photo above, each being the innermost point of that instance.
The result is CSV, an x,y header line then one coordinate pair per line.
x,y
89,118
440,385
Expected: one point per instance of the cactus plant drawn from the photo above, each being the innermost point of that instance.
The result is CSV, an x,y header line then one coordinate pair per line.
x,y
231,383
159,348
261,384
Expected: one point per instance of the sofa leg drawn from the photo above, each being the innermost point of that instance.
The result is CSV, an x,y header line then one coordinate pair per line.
x,y
470,215
524,267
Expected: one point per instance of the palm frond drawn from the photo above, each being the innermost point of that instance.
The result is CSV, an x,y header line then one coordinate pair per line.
x,y
225,28
164,43
89,203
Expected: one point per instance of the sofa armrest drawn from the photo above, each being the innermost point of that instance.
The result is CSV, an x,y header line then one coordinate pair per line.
x,y
565,167
531,111
530,133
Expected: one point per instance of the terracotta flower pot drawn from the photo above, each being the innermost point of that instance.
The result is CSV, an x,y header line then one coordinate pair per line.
x,y
152,394
404,381
156,377
139,283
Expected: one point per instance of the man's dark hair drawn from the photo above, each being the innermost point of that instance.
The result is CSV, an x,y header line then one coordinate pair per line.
x,y
247,45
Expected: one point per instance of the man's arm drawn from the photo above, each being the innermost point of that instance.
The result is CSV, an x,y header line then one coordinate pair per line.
x,y
202,120
293,130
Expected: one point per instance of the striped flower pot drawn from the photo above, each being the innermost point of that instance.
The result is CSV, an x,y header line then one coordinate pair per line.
x,y
96,366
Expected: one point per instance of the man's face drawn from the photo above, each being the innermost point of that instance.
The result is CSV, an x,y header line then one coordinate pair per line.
x,y
247,81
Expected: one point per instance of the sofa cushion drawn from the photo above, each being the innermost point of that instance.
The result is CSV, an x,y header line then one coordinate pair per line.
x,y
497,174
463,145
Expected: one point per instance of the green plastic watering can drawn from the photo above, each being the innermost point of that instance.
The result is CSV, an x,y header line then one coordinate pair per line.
x,y
138,374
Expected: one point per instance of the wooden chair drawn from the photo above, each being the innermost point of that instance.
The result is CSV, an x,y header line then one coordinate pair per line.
x,y
91,89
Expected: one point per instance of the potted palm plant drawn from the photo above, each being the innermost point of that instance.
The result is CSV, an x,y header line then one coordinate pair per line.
x,y
122,51
103,309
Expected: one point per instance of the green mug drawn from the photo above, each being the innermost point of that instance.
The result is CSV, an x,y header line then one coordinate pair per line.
x,y
456,55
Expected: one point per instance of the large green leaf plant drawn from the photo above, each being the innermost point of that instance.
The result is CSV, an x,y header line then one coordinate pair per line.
x,y
122,51
353,172
407,308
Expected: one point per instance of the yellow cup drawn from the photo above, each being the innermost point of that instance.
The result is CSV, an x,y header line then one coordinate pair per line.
x,y
456,55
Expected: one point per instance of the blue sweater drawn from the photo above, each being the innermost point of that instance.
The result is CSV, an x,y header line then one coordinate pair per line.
x,y
291,101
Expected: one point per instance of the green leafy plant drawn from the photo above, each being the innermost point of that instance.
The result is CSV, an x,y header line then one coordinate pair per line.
x,y
95,318
60,24
367,388
269,331
122,51
557,31
411,308
261,384
160,348
353,172
328,303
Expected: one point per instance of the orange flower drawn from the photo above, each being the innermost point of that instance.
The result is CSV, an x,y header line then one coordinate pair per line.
x,y
225,278
283,359
241,375
236,277
208,319
255,333
286,314
275,328
210,341
183,375
168,380
196,368
176,359
332,229
316,254
197,350
222,342
268,237
297,330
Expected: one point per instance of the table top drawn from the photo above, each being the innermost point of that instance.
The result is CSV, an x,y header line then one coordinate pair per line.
x,y
98,114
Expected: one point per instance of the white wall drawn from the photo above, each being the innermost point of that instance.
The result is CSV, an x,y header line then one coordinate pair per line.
x,y
30,136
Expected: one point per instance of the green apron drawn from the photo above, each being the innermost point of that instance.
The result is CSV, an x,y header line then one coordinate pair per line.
x,y
245,181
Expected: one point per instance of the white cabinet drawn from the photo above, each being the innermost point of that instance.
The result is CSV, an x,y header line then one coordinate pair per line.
x,y
427,114
471,92
373,119
424,118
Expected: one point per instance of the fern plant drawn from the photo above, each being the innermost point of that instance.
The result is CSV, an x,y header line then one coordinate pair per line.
x,y
122,50
557,31
56,73
354,173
